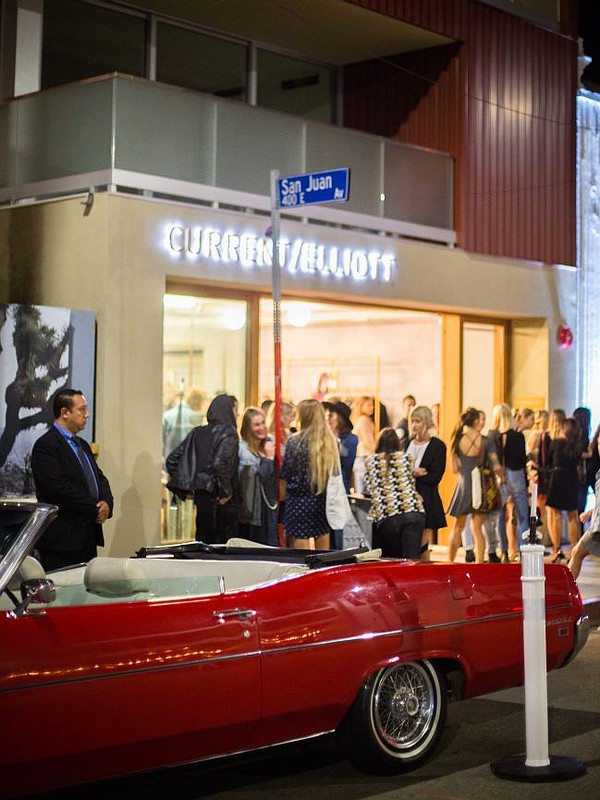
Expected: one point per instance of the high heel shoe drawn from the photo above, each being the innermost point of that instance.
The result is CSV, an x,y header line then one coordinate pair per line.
x,y
558,557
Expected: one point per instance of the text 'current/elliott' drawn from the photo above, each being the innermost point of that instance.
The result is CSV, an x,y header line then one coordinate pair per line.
x,y
295,255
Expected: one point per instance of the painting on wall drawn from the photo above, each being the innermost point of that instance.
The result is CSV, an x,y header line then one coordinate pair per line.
x,y
42,349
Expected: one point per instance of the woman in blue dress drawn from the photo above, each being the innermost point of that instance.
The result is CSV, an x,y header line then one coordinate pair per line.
x,y
311,456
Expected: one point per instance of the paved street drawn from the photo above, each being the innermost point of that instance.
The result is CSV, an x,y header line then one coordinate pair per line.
x,y
478,732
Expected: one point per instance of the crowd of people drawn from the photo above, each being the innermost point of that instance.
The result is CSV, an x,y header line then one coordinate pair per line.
x,y
494,472
241,487
238,489
399,468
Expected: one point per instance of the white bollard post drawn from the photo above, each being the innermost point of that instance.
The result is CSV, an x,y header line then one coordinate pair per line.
x,y
534,652
536,766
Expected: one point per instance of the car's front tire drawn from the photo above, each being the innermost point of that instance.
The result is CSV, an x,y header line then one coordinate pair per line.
x,y
397,718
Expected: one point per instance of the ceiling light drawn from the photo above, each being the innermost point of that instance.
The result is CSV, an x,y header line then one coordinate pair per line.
x,y
299,315
180,302
233,319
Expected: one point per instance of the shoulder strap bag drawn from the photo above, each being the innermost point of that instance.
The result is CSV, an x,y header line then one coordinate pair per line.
x,y
337,507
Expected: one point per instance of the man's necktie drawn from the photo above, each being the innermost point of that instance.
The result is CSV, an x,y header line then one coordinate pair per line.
x,y
87,469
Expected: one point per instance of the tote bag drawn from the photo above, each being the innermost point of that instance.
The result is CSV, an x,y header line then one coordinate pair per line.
x,y
476,493
337,507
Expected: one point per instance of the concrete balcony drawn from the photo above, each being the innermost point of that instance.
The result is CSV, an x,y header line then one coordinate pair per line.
x,y
118,133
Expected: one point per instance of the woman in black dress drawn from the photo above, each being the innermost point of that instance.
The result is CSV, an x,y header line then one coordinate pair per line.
x,y
469,449
429,462
583,417
565,453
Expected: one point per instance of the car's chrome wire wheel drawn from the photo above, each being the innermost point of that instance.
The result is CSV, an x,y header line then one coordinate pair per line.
x,y
405,707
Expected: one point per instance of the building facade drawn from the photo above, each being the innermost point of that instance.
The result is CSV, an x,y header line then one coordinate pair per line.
x,y
135,184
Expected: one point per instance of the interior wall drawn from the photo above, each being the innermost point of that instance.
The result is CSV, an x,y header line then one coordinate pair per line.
x,y
389,357
529,345
478,367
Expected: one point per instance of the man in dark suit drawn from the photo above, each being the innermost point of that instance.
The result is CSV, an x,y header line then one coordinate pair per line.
x,y
67,476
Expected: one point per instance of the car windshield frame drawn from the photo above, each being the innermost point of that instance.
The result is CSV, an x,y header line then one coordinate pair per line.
x,y
18,543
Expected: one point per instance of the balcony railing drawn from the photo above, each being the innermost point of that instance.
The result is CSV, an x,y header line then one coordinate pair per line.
x,y
118,133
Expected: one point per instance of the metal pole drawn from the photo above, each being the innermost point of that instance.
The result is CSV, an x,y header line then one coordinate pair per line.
x,y
276,279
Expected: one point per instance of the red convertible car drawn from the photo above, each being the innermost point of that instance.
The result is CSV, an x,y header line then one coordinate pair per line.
x,y
191,652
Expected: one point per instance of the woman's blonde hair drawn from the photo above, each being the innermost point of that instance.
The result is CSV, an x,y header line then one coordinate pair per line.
x,y
323,453
502,418
557,417
286,408
245,430
358,406
542,419
424,413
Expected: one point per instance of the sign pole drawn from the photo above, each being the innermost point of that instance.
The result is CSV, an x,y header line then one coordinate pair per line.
x,y
276,280
294,190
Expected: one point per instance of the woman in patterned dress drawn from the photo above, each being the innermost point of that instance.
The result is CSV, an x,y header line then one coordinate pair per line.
x,y
396,507
311,456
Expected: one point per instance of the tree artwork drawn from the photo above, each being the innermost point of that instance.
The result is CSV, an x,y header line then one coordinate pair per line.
x,y
39,352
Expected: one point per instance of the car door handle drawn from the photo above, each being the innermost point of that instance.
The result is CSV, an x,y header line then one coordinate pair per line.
x,y
238,613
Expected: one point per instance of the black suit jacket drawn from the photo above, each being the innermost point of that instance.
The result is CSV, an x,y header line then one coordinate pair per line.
x,y
59,480
434,461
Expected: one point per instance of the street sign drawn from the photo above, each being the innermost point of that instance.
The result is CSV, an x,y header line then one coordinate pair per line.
x,y
314,187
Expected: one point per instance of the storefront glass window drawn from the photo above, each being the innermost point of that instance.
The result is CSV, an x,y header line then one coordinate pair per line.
x,y
203,63
82,41
296,87
204,354
349,351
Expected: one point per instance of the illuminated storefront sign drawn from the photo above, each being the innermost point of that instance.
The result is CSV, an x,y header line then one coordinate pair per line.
x,y
296,255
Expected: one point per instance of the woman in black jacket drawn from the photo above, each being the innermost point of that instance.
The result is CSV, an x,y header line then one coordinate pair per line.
x,y
205,464
429,462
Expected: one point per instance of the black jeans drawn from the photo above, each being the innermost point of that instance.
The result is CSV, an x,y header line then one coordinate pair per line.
x,y
215,524
400,536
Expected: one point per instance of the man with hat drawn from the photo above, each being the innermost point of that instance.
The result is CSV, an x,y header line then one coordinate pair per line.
x,y
338,416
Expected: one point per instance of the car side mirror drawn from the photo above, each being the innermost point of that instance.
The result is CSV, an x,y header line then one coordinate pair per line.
x,y
35,590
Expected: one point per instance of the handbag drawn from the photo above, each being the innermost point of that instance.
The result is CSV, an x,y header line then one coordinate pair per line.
x,y
544,469
337,507
250,511
489,490
484,489
543,480
476,488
